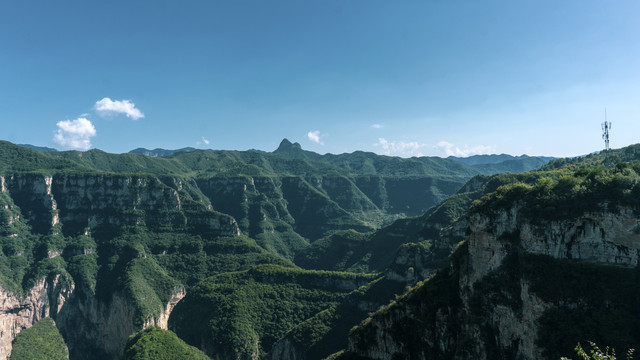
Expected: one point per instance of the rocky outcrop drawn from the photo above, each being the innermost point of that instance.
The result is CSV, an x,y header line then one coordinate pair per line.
x,y
604,238
46,299
288,349
286,204
483,306
99,329
96,200
34,192
414,261
162,320
37,208
91,328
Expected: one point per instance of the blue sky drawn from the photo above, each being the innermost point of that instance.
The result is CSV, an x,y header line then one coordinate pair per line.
x,y
403,78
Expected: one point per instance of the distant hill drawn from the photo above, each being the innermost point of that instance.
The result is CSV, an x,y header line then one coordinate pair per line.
x,y
39,148
495,159
159,152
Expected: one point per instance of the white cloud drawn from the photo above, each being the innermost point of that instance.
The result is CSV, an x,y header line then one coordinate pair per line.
x,y
75,134
315,137
107,106
377,126
452,150
203,141
400,148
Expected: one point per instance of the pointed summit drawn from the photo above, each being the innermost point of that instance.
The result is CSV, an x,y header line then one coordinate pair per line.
x,y
294,151
287,146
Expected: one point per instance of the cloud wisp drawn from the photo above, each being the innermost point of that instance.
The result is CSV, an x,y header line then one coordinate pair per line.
x,y
315,137
108,107
203,141
400,148
75,134
377,126
452,150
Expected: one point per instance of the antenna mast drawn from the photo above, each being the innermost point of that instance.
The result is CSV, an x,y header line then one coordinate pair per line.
x,y
606,126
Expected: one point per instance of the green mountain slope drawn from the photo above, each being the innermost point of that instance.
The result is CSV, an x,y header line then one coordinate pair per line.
x,y
326,332
153,343
428,239
159,152
549,259
241,315
41,341
113,242
494,159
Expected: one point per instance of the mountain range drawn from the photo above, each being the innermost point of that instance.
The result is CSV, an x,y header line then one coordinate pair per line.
x,y
295,255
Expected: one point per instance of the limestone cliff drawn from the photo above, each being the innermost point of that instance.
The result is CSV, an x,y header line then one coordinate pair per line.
x,y
46,299
497,299
46,224
91,328
309,206
99,329
91,201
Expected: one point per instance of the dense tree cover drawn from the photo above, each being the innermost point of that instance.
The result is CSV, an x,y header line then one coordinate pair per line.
x,y
606,159
15,158
437,296
327,331
570,193
41,341
154,343
150,266
280,201
341,251
373,251
287,159
591,301
239,314
496,159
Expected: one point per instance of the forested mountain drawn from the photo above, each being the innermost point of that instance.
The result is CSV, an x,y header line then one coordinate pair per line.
x,y
495,159
159,152
549,259
243,254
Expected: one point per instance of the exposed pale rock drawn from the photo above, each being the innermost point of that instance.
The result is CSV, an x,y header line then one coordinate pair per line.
x,y
91,323
608,237
45,299
163,319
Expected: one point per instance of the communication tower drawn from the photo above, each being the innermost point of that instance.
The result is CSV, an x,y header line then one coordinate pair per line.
x,y
606,126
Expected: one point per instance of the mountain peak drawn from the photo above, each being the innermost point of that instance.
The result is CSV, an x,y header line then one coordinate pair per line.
x,y
287,146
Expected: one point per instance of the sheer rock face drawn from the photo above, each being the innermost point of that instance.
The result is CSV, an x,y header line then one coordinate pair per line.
x,y
604,238
287,349
46,299
100,329
91,328
417,328
33,191
79,202
162,320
